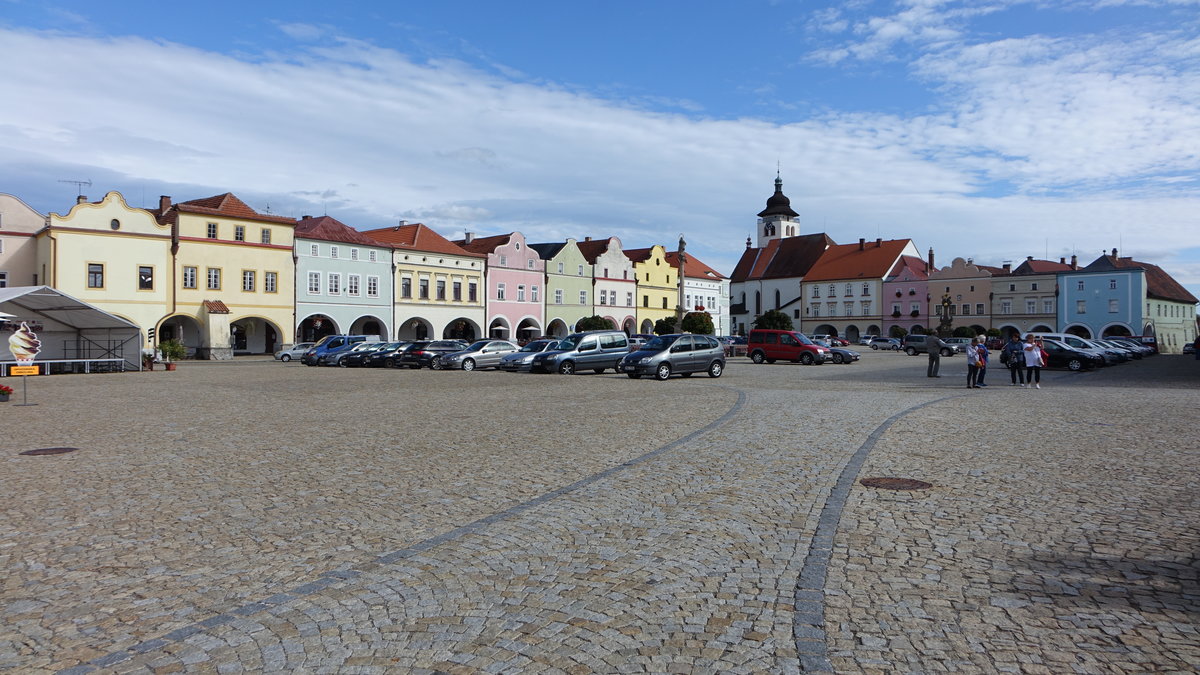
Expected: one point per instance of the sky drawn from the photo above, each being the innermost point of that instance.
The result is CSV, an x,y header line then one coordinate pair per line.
x,y
991,129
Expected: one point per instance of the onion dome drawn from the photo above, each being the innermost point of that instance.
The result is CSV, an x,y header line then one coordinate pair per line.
x,y
778,204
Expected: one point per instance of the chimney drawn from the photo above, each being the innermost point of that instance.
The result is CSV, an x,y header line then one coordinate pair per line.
x,y
1029,258
879,243
587,238
305,217
1007,267
1114,253
469,237
1074,262
1062,261
83,198
931,258
164,203
862,243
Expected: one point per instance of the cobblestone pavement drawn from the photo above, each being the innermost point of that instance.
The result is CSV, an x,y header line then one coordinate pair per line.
x,y
261,516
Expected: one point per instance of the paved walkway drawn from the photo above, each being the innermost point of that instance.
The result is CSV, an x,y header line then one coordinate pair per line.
x,y
262,516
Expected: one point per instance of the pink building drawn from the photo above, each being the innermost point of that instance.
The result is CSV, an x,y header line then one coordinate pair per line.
x,y
515,285
906,298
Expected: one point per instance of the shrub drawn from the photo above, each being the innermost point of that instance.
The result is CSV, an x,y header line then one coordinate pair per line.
x,y
698,322
774,320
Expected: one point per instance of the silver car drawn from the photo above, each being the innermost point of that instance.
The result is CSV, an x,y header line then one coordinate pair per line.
x,y
295,351
521,361
482,354
668,355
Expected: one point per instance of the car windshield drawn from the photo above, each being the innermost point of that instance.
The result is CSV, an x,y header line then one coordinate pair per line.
x,y
537,346
660,343
477,346
570,342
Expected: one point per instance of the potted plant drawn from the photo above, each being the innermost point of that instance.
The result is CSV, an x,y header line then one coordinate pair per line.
x,y
5,392
172,350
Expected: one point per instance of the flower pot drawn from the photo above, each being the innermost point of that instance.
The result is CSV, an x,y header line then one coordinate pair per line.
x,y
3,398
169,366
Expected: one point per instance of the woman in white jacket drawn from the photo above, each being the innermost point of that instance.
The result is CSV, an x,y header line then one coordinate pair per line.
x,y
1033,362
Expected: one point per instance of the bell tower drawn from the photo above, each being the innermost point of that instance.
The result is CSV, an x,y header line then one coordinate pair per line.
x,y
778,220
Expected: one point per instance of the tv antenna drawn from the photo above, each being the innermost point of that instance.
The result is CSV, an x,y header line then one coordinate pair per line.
x,y
78,185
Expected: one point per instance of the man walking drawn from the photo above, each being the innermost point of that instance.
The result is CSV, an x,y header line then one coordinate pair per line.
x,y
1015,356
935,345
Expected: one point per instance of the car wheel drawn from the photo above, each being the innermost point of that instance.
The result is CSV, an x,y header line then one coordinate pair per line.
x,y
285,358
567,368
341,362
806,359
434,364
389,363
663,371
875,347
757,357
715,369
837,358
945,352
634,376
468,364
911,351
1075,364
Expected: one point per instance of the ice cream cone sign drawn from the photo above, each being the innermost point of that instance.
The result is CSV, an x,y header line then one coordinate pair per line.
x,y
24,345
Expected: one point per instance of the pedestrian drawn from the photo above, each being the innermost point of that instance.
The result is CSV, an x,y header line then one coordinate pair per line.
x,y
983,361
1033,362
1014,356
973,363
1196,347
935,346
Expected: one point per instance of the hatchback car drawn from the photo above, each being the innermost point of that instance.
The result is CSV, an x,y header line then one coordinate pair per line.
x,y
420,354
885,343
519,361
482,354
668,355
293,351
385,356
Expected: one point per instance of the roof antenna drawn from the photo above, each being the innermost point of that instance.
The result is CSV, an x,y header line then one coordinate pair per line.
x,y
78,185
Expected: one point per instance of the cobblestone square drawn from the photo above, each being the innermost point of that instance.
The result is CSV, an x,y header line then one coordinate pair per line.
x,y
259,516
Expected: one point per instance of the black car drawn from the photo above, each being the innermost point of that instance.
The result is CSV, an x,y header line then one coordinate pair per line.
x,y
1062,356
386,357
358,358
420,354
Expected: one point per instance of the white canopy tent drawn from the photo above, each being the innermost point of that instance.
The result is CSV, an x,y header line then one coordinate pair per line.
x,y
70,330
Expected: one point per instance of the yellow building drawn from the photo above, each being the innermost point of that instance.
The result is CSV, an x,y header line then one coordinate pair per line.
x,y
657,286
110,255
233,277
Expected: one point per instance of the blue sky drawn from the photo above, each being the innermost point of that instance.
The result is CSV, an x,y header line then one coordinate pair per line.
x,y
989,130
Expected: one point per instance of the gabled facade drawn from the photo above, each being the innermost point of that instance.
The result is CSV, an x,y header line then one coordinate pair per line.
x,y
906,298
438,287
515,285
568,286
345,281
112,256
1025,299
843,292
969,288
614,282
704,290
19,225
657,291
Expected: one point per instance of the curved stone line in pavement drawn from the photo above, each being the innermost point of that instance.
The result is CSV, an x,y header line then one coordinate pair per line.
x,y
808,624
326,579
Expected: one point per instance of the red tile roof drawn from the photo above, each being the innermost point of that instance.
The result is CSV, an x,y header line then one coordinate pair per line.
x,y
226,205
594,248
695,268
847,261
417,237
638,255
326,228
781,258
215,307
484,245
1034,266
917,266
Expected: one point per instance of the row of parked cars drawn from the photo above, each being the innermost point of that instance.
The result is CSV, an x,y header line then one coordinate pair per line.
x,y
659,356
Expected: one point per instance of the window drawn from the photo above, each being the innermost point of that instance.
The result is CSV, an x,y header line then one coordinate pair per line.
x,y
440,289
333,251
1112,284
212,230
4,280
372,256
581,294
529,263
145,278
95,275
895,308
606,275
832,290
937,310
1114,306
866,289
472,293
239,233
645,301
581,270
533,293
1006,306
504,261
354,254
583,299
520,292
560,268
189,277
816,309
1032,286
1081,306
966,309
270,282
314,251
849,289
1030,305
629,299
266,236
500,291
214,278
372,286
423,288
1079,285
558,296
1048,306
335,283
603,297
831,308
353,283
979,308
816,291
406,287
248,280
913,308
1012,287
457,291
848,307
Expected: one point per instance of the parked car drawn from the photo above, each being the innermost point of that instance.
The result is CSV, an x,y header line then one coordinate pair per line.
x,y
885,343
357,356
1128,351
842,355
420,354
839,342
481,354
1064,356
519,361
1079,344
596,350
1134,344
295,351
668,355
385,356
327,344
1189,348
770,346
337,357
865,341
918,344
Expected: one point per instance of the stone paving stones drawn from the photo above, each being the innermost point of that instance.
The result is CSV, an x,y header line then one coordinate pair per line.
x,y
489,522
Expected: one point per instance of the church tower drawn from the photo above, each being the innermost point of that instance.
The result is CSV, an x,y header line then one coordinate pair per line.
x,y
778,220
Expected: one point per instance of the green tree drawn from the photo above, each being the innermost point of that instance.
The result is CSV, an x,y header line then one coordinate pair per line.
x,y
897,332
774,319
664,326
697,322
964,331
594,323
993,332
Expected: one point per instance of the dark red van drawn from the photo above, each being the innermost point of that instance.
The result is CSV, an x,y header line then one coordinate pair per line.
x,y
787,345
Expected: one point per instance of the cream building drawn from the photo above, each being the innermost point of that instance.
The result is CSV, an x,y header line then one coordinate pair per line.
x,y
19,224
